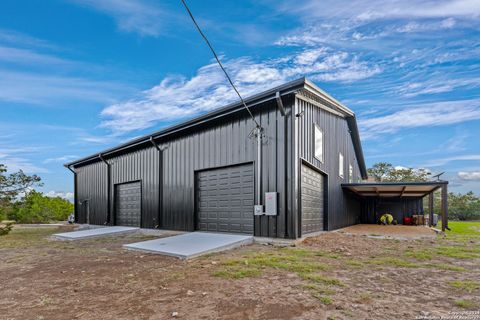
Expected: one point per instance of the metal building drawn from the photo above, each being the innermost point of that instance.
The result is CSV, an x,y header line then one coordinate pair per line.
x,y
209,173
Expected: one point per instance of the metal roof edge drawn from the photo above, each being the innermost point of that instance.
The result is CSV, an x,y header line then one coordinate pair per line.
x,y
284,89
408,183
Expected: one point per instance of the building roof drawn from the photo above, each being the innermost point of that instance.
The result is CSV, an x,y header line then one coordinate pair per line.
x,y
393,189
294,86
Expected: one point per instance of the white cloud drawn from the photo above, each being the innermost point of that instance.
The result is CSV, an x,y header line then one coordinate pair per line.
x,y
65,195
422,115
41,89
178,97
60,159
132,15
383,9
469,175
412,89
437,162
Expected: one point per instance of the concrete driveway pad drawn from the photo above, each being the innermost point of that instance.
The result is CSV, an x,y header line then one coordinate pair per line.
x,y
95,232
190,245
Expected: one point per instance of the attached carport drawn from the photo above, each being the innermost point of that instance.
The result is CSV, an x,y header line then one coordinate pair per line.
x,y
399,197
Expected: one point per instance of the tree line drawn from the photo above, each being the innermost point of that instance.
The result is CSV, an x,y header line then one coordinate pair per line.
x,y
20,202
461,206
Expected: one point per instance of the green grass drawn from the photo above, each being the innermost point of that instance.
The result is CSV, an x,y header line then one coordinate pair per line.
x,y
318,278
463,228
237,273
447,267
466,285
458,252
27,237
466,304
423,255
326,300
394,262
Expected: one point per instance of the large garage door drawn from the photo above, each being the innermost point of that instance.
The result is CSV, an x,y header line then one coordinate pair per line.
x,y
128,204
311,200
225,199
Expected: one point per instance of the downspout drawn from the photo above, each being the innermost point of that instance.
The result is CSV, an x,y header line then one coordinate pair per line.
x,y
160,182
283,112
108,190
74,192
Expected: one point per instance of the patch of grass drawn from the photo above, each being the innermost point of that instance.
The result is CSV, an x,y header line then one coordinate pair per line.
x,y
463,229
457,252
395,262
27,237
327,254
317,278
466,285
447,267
319,289
423,255
365,297
354,263
237,273
326,300
466,304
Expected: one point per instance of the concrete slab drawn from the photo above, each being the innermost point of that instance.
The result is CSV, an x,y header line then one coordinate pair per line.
x,y
191,245
95,232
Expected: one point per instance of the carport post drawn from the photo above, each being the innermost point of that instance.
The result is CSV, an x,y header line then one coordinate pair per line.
x,y
430,209
444,207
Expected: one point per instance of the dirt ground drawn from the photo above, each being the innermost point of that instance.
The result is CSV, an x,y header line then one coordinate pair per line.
x,y
390,231
333,276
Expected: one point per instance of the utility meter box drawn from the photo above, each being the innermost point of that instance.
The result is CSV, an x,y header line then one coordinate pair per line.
x,y
271,203
258,210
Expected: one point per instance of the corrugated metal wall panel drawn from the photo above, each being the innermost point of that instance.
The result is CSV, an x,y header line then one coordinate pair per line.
x,y
220,143
336,139
92,186
223,144
141,165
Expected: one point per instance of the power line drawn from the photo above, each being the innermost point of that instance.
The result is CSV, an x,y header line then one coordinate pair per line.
x,y
220,64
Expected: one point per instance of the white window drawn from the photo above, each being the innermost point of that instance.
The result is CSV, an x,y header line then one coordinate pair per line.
x,y
318,137
340,165
350,173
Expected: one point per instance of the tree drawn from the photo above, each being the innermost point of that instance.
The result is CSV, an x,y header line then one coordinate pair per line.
x,y
386,172
463,206
11,185
34,207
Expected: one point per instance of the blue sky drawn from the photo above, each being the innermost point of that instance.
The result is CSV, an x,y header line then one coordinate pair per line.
x,y
77,77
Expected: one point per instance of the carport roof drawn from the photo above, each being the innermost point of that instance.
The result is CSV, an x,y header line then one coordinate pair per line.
x,y
393,189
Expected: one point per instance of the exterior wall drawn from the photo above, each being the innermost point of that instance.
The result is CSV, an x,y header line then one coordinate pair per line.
x,y
342,209
140,165
224,142
92,186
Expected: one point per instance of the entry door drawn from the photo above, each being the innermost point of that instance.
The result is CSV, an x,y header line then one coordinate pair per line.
x,y
128,199
225,199
312,200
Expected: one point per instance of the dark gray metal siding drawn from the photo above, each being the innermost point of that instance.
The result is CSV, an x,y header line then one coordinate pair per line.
x,y
140,165
372,208
336,139
92,186
222,142
225,199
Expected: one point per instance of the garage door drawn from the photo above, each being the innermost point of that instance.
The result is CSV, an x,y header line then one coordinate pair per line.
x,y
311,200
128,204
225,199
